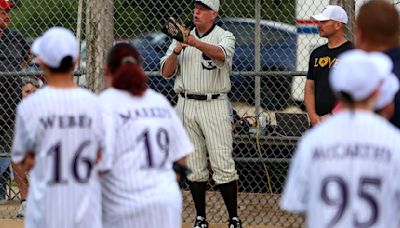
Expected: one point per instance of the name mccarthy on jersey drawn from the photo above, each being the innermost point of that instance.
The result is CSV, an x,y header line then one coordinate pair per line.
x,y
358,151
66,121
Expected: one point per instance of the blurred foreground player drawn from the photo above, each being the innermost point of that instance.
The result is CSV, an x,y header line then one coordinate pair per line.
x,y
59,136
343,170
146,148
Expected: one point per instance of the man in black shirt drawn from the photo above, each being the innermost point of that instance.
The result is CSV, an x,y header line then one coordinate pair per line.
x,y
14,53
318,96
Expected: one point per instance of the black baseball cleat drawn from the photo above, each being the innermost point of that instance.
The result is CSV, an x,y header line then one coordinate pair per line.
x,y
235,223
200,222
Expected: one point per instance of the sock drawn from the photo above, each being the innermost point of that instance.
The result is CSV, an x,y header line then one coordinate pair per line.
x,y
229,194
198,190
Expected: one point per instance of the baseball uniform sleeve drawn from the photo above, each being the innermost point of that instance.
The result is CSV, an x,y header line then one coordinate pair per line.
x,y
108,151
169,52
180,142
295,197
22,142
227,44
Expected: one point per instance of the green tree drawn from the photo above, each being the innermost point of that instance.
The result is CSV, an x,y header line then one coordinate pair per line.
x,y
135,17
33,17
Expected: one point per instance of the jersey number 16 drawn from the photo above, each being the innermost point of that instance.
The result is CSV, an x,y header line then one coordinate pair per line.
x,y
78,158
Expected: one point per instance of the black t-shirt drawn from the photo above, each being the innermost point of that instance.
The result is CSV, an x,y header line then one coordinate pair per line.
x,y
13,49
322,59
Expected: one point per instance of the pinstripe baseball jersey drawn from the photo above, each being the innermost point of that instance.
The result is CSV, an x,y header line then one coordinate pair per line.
x,y
200,74
344,173
64,130
210,128
144,138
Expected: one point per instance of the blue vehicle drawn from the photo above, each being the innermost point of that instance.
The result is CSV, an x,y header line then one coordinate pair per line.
x,y
277,53
277,50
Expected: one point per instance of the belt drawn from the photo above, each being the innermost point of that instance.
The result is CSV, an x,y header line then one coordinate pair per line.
x,y
199,97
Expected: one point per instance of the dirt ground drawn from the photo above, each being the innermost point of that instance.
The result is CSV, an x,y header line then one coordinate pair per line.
x,y
256,211
7,223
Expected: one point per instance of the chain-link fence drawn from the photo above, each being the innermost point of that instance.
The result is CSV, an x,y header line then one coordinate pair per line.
x,y
273,41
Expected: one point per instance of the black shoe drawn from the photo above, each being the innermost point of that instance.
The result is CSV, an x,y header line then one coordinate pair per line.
x,y
235,223
200,222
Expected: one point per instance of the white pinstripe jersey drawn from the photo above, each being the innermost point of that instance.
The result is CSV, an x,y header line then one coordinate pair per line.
x,y
64,129
196,73
144,138
345,173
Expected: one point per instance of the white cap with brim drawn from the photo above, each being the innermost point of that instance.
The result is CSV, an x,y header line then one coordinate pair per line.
x,y
54,45
332,12
359,73
388,91
212,4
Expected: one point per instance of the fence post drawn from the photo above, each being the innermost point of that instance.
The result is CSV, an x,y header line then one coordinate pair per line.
x,y
257,62
350,7
100,36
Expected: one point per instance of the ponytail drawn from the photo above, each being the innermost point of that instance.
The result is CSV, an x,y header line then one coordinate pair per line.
x,y
127,74
130,77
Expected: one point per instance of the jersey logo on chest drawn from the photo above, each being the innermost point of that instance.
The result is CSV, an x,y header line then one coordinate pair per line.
x,y
207,63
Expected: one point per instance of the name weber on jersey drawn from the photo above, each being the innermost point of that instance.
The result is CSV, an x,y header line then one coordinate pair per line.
x,y
66,121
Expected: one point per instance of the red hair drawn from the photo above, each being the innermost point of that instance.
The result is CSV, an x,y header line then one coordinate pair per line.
x,y
124,63
379,22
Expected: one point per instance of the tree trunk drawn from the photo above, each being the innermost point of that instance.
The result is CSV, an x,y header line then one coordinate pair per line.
x,y
100,36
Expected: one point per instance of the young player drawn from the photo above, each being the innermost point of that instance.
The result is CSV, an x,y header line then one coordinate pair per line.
x,y
145,140
59,136
343,170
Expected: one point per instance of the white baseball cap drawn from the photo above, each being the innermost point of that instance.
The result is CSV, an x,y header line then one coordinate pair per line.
x,y
388,91
359,73
332,12
212,4
54,45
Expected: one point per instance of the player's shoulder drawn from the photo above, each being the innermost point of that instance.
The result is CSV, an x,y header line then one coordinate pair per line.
x,y
33,101
93,96
388,127
52,93
375,124
85,95
107,93
149,97
381,125
219,31
155,97
86,92
111,95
